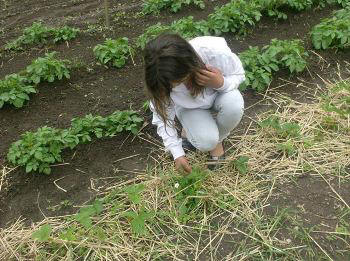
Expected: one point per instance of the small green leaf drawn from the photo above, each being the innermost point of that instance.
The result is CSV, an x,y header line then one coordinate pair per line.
x,y
43,234
241,164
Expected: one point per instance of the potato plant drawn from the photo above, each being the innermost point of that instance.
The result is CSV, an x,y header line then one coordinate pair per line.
x,y
333,32
151,33
234,17
65,33
189,28
260,64
154,6
186,27
38,33
271,8
115,52
258,68
38,150
289,54
14,90
48,69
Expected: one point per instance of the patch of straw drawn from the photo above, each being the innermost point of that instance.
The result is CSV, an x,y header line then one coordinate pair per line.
x,y
229,202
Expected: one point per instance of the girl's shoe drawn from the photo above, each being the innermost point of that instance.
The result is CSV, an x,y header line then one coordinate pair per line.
x,y
187,145
215,162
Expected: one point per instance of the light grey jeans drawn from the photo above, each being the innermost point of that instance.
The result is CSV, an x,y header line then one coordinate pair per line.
x,y
204,130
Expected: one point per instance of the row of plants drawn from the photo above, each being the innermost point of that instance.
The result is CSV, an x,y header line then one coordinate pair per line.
x,y
15,88
236,17
38,33
155,6
259,64
36,151
334,31
268,7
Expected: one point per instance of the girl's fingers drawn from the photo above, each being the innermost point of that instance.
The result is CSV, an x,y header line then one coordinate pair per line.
x,y
201,82
202,77
207,73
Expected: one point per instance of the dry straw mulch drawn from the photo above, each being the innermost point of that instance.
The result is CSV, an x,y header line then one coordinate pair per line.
x,y
227,202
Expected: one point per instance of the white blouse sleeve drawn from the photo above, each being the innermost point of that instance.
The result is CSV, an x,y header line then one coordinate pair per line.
x,y
169,135
214,51
232,69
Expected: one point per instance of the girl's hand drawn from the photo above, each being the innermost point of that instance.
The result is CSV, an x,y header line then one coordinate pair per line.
x,y
181,164
211,77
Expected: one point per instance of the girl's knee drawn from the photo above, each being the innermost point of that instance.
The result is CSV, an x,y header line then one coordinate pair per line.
x,y
231,104
205,142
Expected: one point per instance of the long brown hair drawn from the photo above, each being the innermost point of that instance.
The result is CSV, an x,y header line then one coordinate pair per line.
x,y
168,59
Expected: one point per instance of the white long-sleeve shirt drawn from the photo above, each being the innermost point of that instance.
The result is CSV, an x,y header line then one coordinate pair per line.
x,y
214,52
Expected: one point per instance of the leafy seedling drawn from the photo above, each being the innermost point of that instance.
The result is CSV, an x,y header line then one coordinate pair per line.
x,y
15,90
241,164
85,213
47,69
43,234
115,52
138,220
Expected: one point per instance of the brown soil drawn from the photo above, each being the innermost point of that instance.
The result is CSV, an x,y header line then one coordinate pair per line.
x,y
99,90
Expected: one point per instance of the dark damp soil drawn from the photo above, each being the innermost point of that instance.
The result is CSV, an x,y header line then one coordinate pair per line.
x,y
96,89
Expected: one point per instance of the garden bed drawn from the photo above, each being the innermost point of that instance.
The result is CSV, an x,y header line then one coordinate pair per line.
x,y
93,88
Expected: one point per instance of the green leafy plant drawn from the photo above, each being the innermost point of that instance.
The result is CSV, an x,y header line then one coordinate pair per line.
x,y
154,6
84,127
151,33
43,234
258,68
15,90
241,164
289,54
284,130
115,52
38,150
259,64
287,148
189,28
38,33
234,17
333,32
48,69
122,121
146,106
84,215
134,192
271,8
188,192
65,33
138,220
299,5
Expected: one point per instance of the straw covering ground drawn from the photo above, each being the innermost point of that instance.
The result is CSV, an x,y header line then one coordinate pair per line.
x,y
217,215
